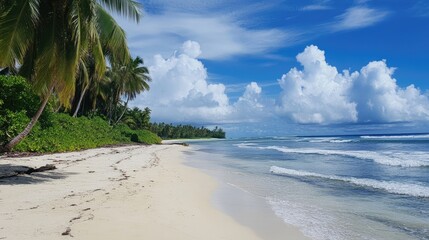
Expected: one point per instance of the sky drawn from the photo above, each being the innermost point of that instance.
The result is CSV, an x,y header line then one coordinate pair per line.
x,y
283,67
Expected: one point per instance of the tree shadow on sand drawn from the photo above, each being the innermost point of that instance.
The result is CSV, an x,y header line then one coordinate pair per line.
x,y
17,174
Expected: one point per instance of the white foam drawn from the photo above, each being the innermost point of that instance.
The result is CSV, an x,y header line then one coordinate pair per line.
x,y
341,141
400,159
283,138
392,158
399,137
245,145
319,139
315,222
325,140
410,189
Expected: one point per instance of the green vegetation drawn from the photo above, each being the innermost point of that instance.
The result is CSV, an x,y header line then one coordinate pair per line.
x,y
138,136
59,43
17,104
65,133
57,132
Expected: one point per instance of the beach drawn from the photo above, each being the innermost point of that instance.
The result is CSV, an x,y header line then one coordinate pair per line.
x,y
129,192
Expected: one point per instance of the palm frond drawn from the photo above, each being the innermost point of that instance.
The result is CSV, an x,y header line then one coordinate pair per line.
x,y
128,8
112,36
17,24
58,53
98,54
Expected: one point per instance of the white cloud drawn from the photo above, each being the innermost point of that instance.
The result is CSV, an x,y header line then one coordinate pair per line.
x,y
380,99
318,5
320,94
191,48
220,35
228,32
315,7
358,17
250,106
252,93
317,94
180,92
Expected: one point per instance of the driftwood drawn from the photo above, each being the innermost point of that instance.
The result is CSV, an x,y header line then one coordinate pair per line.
x,y
180,143
66,232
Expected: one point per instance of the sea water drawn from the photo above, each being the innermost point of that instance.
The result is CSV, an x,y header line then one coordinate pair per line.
x,y
336,187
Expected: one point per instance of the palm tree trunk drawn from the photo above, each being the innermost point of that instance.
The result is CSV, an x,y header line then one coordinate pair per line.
x,y
80,101
123,112
58,109
94,103
10,145
110,112
113,102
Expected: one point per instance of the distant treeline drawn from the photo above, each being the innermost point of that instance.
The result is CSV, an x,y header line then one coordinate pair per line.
x,y
136,119
169,131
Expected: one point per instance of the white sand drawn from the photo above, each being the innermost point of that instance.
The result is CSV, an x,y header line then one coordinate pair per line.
x,y
132,192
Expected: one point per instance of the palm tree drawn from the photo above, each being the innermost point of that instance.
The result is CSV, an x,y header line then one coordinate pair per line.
x,y
128,81
84,81
88,81
100,90
48,38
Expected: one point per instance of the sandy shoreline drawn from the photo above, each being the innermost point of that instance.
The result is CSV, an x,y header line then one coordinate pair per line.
x,y
132,192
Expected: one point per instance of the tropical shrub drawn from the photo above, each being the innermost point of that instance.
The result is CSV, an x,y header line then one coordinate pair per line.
x,y
138,136
18,103
66,133
56,132
145,136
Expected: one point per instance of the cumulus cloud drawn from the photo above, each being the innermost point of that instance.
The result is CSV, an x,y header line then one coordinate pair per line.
x,y
191,48
250,107
180,92
380,99
316,94
320,94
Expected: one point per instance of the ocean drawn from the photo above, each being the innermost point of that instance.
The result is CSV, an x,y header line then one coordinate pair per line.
x,y
333,187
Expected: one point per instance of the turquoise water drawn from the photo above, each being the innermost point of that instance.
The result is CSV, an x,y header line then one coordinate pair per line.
x,y
338,187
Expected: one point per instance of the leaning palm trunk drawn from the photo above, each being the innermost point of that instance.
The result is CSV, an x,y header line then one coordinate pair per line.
x,y
80,101
123,112
10,145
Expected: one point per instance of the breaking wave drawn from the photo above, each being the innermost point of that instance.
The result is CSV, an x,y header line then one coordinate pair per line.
x,y
325,140
245,145
414,190
398,137
398,159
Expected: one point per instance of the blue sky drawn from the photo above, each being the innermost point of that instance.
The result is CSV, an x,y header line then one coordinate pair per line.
x,y
230,63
